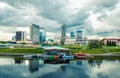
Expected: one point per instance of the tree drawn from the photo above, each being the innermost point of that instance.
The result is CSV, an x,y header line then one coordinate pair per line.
x,y
95,44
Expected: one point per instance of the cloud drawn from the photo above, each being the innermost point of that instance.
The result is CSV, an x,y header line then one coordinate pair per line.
x,y
88,15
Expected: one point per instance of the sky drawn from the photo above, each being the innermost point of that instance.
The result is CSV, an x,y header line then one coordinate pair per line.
x,y
97,18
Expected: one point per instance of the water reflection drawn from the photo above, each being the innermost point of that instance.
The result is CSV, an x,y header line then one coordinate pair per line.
x,y
33,65
35,68
18,61
95,63
63,68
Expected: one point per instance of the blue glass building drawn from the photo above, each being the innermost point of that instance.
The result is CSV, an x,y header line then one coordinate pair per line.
x,y
72,34
79,34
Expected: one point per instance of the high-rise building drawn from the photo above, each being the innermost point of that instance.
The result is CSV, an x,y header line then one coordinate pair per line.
x,y
79,34
34,33
63,34
20,35
72,34
42,34
63,30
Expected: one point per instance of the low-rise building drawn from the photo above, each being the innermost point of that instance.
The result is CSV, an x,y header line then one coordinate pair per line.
x,y
112,40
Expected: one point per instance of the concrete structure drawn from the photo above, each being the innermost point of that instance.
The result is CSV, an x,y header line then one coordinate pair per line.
x,y
63,30
57,40
71,41
63,34
20,36
34,33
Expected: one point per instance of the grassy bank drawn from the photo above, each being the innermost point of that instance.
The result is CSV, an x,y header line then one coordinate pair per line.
x,y
83,49
73,49
21,50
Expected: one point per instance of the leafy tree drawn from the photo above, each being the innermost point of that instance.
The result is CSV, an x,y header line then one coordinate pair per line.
x,y
95,44
2,42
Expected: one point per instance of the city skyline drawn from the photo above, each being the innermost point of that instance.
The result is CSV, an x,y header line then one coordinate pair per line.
x,y
97,18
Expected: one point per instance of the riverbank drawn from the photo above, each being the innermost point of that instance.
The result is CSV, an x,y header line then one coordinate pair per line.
x,y
22,50
72,49
103,50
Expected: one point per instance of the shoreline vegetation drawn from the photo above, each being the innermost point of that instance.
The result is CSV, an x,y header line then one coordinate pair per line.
x,y
73,49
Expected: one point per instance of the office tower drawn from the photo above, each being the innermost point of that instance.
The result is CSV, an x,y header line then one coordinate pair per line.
x,y
63,33
72,34
42,34
79,34
20,36
63,30
34,33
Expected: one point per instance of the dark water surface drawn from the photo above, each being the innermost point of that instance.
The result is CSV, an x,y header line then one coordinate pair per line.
x,y
35,68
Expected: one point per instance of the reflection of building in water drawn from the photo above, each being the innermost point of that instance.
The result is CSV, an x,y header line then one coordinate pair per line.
x,y
63,67
79,62
18,61
95,62
41,63
33,65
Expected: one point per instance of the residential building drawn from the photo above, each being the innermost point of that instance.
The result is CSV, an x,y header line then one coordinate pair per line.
x,y
20,36
112,41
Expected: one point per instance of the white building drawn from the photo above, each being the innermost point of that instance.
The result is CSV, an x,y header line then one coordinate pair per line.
x,y
57,40
70,41
116,40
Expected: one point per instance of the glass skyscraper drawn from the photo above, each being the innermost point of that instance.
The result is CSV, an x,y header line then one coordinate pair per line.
x,y
34,33
63,34
42,34
79,34
63,30
72,34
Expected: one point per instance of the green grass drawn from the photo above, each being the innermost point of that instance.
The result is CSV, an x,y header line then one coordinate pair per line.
x,y
73,49
20,50
105,49
91,51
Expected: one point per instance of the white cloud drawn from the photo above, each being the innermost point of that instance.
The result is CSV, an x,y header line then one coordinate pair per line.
x,y
96,17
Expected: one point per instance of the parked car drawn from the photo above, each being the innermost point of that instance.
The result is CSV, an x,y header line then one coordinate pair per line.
x,y
80,55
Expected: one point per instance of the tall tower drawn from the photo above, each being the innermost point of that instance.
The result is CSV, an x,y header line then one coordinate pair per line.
x,y
42,34
63,34
79,34
63,30
20,35
34,33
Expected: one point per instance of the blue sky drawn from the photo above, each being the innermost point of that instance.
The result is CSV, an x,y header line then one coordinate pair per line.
x,y
97,18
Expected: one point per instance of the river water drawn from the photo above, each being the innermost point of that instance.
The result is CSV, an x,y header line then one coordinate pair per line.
x,y
35,68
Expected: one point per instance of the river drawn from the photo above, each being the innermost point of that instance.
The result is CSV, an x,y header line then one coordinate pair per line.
x,y
35,68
